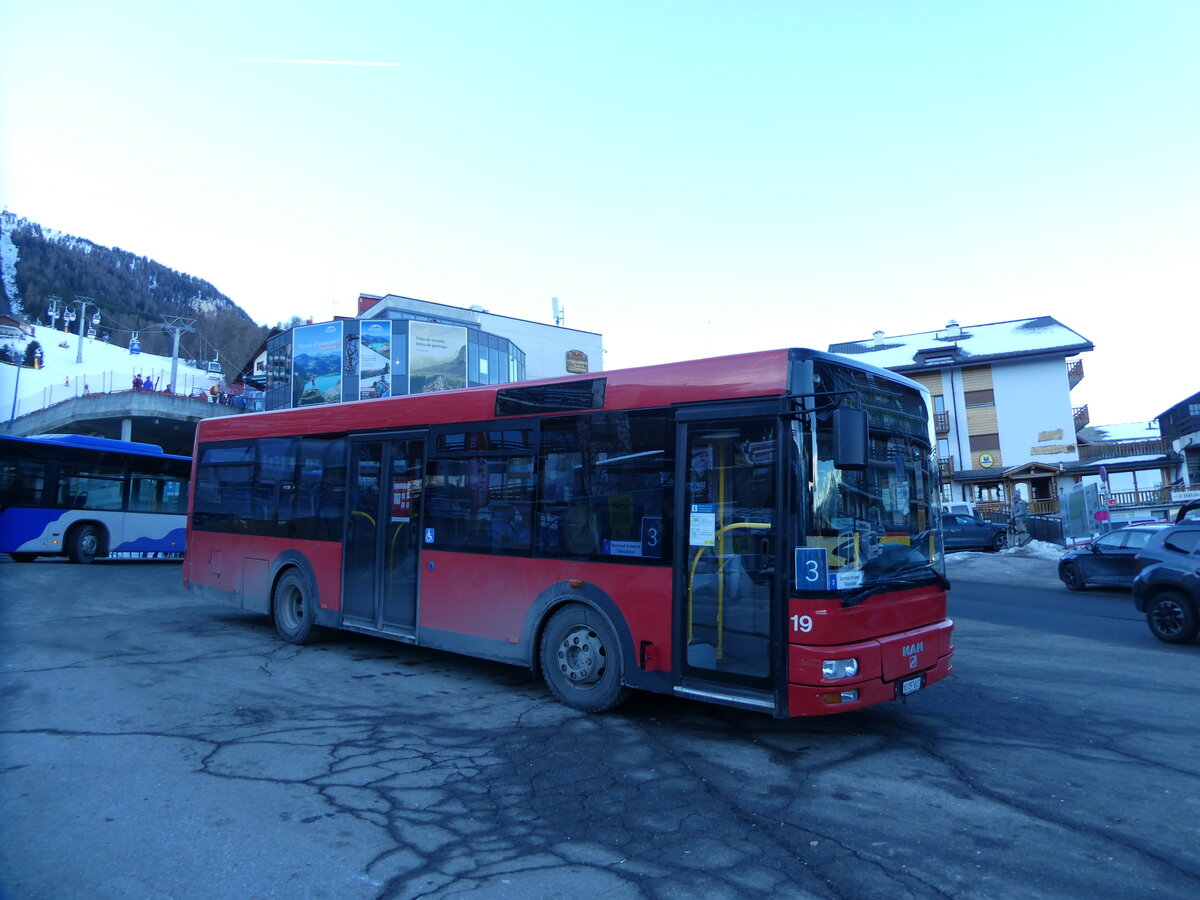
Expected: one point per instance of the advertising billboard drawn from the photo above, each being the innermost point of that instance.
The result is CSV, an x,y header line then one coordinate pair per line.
x,y
437,357
375,360
317,364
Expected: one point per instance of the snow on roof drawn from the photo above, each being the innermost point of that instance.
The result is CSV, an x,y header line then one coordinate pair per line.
x,y
1127,460
1126,431
967,344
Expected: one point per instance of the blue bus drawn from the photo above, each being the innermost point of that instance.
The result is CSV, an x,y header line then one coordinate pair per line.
x,y
87,497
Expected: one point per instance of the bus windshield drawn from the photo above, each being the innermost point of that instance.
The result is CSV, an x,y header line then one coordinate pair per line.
x,y
874,528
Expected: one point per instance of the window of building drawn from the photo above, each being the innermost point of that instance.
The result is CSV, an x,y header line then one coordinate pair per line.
x,y
979,398
981,442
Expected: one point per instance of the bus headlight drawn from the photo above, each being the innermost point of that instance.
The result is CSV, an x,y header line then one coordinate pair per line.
x,y
839,668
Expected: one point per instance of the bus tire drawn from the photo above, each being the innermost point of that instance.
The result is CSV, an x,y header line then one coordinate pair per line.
x,y
22,557
84,544
581,660
294,609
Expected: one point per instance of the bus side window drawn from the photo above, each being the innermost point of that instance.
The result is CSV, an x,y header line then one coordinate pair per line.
x,y
22,482
606,483
482,503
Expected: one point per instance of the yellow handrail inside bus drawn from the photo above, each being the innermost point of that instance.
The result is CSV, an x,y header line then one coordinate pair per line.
x,y
720,544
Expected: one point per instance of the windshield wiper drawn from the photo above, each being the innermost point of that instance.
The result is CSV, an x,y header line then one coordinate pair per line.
x,y
925,567
893,581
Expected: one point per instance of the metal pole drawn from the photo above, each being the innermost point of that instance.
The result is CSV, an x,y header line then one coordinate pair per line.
x,y
16,394
175,361
79,347
84,303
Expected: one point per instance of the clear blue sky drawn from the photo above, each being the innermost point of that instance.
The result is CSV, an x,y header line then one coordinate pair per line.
x,y
688,178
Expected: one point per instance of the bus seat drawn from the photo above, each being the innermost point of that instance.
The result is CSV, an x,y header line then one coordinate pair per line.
x,y
578,531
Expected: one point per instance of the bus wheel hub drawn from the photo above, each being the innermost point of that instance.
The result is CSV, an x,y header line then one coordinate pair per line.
x,y
581,656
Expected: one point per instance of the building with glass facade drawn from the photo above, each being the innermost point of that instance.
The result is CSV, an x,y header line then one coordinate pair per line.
x,y
400,345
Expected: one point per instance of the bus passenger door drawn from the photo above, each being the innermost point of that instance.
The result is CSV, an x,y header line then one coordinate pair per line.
x,y
726,567
380,562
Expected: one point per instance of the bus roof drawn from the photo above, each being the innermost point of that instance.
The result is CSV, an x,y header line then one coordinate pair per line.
x,y
742,376
88,442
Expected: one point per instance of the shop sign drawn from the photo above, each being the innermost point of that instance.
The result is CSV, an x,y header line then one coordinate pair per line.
x,y
577,362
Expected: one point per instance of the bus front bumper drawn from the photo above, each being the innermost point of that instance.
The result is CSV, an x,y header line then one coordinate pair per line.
x,y
895,667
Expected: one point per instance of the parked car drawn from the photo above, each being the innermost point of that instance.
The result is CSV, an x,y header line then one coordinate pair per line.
x,y
1167,588
961,532
1110,559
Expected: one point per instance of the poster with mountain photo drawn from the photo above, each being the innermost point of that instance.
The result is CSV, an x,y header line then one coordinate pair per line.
x,y
375,360
437,357
317,364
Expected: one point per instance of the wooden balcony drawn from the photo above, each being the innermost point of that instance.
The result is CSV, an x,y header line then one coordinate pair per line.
x,y
998,511
1082,418
1074,372
1122,449
1153,497
946,467
941,422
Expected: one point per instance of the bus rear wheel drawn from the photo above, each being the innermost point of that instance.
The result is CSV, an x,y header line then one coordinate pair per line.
x,y
83,545
581,660
294,608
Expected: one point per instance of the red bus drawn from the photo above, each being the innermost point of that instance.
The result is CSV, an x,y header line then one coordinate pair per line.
x,y
757,530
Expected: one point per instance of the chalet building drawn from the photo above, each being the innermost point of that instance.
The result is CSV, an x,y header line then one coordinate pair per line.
x,y
1006,424
1180,427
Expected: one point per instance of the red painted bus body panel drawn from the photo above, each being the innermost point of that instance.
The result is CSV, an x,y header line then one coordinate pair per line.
x,y
226,564
491,596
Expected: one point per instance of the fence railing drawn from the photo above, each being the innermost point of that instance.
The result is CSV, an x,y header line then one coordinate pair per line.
x,y
1140,498
1074,373
1121,449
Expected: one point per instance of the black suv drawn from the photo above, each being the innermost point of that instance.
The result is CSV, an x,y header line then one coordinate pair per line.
x,y
1167,588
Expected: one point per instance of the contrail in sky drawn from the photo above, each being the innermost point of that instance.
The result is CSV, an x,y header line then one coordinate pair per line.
x,y
315,62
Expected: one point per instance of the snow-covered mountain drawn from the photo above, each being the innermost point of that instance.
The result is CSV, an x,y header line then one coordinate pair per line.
x,y
132,294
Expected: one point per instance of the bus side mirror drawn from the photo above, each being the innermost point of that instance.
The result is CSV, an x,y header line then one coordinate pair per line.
x,y
850,438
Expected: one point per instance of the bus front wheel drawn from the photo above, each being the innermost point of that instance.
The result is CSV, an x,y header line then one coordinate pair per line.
x,y
295,610
84,544
581,660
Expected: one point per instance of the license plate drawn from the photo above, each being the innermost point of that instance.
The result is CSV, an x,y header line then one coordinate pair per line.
x,y
911,685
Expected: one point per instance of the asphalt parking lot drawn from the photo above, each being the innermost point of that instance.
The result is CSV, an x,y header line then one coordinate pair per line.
x,y
156,747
